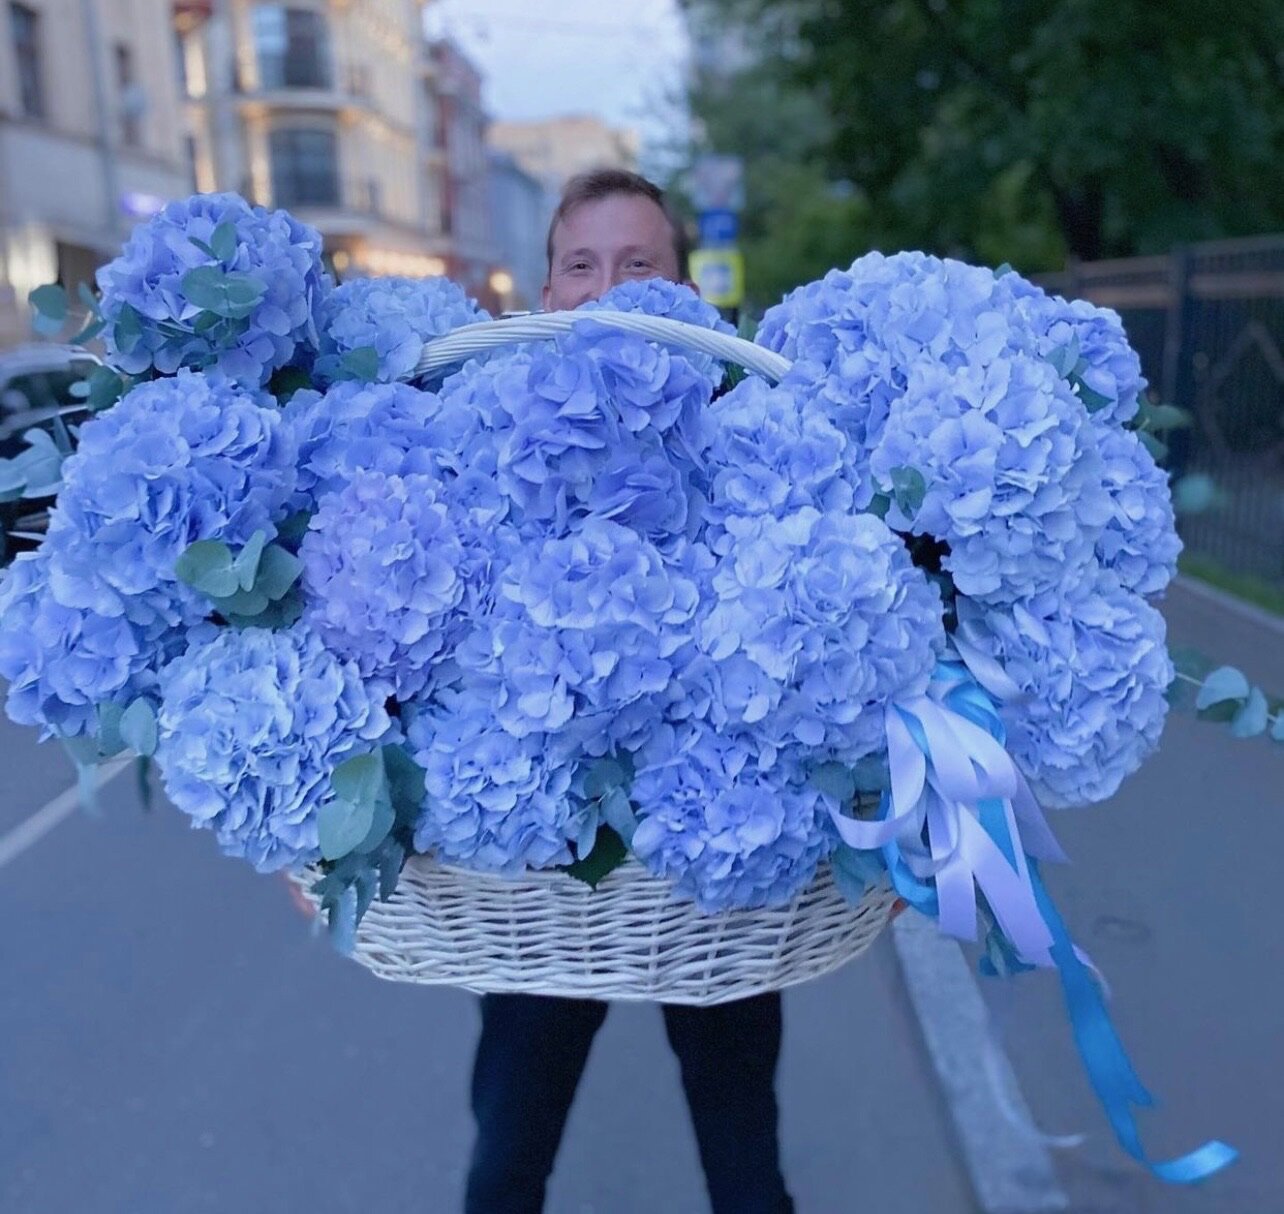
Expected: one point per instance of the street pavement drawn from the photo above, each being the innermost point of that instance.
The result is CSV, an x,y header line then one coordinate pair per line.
x,y
174,1038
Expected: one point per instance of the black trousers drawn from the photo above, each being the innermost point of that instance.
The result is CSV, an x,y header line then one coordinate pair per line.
x,y
529,1061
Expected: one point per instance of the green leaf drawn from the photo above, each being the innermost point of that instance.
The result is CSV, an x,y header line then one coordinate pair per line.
x,y
110,741
1065,359
138,727
382,821
88,298
106,387
1224,685
1157,449
278,571
360,364
1093,400
1251,719
46,326
246,563
618,812
129,328
360,778
834,780
273,616
88,333
881,504
204,248
909,488
607,855
243,604
405,782
390,858
294,527
206,565
342,825
1277,728
223,241
50,302
143,782
1196,494
227,294
1162,418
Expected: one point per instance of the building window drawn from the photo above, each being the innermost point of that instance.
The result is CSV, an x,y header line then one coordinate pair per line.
x,y
305,168
25,24
129,97
293,48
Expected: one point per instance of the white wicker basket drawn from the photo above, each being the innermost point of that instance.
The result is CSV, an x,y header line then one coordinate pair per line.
x,y
630,938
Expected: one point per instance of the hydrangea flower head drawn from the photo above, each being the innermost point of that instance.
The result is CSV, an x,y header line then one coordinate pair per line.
x,y
390,569
728,836
261,318
1012,478
492,800
392,316
177,460
1139,544
1094,670
252,724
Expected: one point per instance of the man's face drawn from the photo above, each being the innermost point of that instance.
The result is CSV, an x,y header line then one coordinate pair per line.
x,y
606,242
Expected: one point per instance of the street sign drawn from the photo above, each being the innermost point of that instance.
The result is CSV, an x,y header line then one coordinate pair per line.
x,y
720,275
718,229
717,183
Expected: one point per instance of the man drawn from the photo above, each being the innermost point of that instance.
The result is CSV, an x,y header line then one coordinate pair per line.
x,y
610,227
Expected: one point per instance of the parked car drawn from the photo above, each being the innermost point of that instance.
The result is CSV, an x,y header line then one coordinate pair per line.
x,y
35,387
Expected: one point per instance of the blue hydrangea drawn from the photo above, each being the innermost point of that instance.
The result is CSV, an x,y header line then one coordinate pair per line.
x,y
1107,364
175,461
390,428
772,452
587,626
728,835
392,316
392,571
61,662
684,371
854,335
277,284
809,625
492,801
252,724
1011,473
1092,666
1139,544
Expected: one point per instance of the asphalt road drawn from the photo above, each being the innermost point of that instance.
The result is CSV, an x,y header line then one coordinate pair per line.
x,y
174,1038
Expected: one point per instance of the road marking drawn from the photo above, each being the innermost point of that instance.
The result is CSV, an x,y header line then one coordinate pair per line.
x,y
1006,1155
34,828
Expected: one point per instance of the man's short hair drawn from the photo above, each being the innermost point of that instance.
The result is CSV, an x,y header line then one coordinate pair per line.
x,y
597,184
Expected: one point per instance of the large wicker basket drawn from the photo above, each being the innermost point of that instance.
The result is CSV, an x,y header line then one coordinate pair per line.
x,y
630,937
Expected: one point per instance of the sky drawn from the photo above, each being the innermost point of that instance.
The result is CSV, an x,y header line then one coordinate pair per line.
x,y
620,59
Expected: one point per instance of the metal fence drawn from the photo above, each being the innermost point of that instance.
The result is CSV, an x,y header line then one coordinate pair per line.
x,y
1208,322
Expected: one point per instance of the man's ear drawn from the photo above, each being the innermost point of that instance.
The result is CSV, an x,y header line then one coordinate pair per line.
x,y
695,286
543,296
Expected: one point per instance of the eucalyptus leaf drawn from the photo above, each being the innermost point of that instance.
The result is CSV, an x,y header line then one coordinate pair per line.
x,y
1196,494
106,387
207,566
1157,449
360,364
138,727
381,822
278,570
1252,718
1277,728
46,326
203,246
909,488
244,604
607,855
405,782
1093,400
294,526
88,298
129,328
1222,685
223,241
342,825
360,779
49,301
343,920
835,780
246,563
1163,418
110,741
391,857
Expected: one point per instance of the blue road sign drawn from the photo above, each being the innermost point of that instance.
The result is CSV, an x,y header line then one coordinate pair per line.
x,y
718,229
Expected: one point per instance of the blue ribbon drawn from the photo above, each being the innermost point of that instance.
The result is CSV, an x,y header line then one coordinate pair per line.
x,y
953,760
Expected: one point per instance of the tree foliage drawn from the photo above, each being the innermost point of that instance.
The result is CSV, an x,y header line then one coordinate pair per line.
x,y
1017,130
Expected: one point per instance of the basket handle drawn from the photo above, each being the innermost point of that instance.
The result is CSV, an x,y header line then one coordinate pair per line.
x,y
468,340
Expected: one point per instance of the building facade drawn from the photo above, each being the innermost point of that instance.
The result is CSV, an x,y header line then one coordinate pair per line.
x,y
91,138
322,107
520,211
553,150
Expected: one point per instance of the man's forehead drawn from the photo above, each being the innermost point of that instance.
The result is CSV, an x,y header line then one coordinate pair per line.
x,y
620,219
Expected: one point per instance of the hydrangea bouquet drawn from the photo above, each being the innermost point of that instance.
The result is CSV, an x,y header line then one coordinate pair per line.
x,y
571,605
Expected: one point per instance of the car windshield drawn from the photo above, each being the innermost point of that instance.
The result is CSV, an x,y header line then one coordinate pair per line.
x,y
43,389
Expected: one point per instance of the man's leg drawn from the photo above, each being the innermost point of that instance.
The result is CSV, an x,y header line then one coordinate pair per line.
x,y
728,1054
529,1060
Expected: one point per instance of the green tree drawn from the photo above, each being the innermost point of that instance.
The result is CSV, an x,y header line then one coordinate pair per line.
x,y
1026,130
